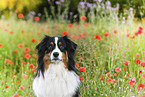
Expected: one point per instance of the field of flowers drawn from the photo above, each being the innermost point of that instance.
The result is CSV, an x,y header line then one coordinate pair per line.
x,y
110,57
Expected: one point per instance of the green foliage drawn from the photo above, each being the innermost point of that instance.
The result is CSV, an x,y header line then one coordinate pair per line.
x,y
137,5
99,57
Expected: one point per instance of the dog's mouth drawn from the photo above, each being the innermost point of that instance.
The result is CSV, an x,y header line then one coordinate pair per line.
x,y
55,60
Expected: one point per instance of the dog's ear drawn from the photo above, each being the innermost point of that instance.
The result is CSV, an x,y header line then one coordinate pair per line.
x,y
41,47
71,46
43,42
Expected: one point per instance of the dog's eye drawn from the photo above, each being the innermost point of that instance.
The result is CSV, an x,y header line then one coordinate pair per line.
x,y
50,47
61,47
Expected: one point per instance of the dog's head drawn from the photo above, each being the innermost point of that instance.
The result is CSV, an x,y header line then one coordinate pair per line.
x,y
55,50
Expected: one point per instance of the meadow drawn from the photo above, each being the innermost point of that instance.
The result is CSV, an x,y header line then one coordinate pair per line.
x,y
111,53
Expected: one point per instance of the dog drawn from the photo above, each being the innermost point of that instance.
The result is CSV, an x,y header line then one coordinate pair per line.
x,y
56,73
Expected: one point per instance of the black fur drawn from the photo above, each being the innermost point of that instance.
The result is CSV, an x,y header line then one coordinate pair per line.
x,y
68,46
42,48
77,93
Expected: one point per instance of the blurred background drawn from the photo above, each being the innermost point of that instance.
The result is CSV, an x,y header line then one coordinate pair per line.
x,y
68,9
109,34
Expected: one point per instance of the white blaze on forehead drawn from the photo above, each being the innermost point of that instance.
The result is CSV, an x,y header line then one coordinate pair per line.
x,y
56,49
56,40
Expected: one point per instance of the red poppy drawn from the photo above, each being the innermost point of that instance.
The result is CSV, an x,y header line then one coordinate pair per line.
x,y
24,63
82,69
140,32
96,89
18,82
2,82
20,45
115,31
143,75
137,33
142,64
22,31
33,40
26,49
6,86
36,18
33,70
132,37
117,69
128,74
86,24
108,74
137,55
27,56
113,81
106,34
20,15
124,68
131,82
128,34
78,25
35,56
8,24
102,78
81,79
143,52
142,96
115,74
138,61
5,30
12,75
126,63
140,71
31,66
1,45
11,32
9,61
77,64
39,41
108,80
73,36
82,35
21,87
15,51
83,18
140,28
16,95
70,25
65,33
80,58
77,37
140,86
24,76
98,37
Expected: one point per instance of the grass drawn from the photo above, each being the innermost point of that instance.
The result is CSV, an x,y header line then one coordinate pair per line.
x,y
99,57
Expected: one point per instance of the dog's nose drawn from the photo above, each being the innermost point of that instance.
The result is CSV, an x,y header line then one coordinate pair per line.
x,y
55,54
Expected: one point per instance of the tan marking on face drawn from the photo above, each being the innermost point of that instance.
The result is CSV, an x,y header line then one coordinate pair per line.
x,y
52,43
59,43
47,60
65,59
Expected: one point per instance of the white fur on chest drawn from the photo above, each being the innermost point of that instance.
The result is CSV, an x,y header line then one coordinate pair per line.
x,y
57,82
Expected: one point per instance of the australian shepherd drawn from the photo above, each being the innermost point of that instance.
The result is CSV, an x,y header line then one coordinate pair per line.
x,y
56,73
